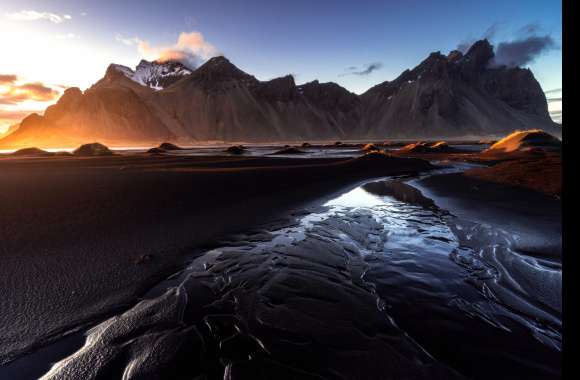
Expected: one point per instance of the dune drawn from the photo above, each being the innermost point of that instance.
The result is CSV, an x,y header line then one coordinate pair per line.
x,y
529,140
369,147
31,152
169,146
93,149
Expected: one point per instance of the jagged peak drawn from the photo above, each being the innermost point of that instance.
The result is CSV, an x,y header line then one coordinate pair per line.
x,y
454,55
286,79
481,51
317,83
156,75
116,69
221,68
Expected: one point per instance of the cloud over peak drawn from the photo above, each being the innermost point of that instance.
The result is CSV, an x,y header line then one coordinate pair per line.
x,y
523,51
527,45
190,49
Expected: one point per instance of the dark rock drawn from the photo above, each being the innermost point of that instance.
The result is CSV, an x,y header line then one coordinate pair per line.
x,y
369,147
31,152
236,149
93,149
423,147
169,146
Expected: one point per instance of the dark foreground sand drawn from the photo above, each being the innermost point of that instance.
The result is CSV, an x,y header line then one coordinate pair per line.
x,y
82,237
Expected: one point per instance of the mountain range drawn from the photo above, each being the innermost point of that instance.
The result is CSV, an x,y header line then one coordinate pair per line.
x,y
446,96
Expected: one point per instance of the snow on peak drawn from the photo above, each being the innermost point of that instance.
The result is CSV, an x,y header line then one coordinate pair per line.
x,y
156,75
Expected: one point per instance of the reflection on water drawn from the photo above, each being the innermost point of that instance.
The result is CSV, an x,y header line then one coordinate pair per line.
x,y
370,287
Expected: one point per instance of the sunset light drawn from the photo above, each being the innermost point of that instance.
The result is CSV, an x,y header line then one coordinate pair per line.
x,y
268,189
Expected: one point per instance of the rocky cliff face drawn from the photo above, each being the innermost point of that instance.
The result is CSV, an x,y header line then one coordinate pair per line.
x,y
456,96
445,96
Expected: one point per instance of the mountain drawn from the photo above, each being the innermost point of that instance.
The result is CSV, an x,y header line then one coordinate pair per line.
x,y
156,75
445,96
456,96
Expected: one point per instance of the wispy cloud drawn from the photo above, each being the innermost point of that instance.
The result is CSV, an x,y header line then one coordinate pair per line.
x,y
129,41
29,15
366,70
13,92
489,34
191,48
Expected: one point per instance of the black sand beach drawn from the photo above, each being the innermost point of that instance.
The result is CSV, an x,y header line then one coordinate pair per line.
x,y
82,237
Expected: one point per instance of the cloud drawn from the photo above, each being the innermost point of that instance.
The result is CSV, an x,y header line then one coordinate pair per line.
x,y
553,91
12,93
528,45
66,36
190,49
523,51
556,116
28,15
126,40
8,78
354,70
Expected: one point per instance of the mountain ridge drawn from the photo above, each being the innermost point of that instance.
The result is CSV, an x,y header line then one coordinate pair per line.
x,y
444,96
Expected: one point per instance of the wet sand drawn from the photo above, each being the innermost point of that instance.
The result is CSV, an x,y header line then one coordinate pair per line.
x,y
376,282
514,208
82,237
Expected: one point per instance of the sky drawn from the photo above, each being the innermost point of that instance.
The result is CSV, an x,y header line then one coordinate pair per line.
x,y
49,45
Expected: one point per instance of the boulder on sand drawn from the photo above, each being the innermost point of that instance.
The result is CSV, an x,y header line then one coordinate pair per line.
x,y
169,146
93,149
306,145
526,141
369,147
423,147
31,152
236,149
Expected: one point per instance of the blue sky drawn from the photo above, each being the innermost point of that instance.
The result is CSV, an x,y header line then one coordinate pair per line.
x,y
70,42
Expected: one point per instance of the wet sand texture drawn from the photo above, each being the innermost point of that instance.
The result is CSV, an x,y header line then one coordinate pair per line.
x,y
81,236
